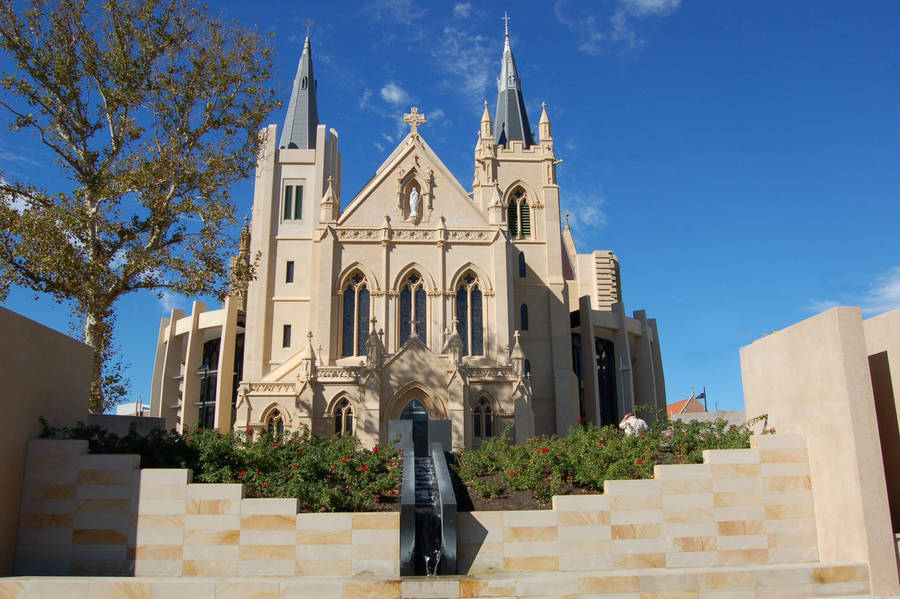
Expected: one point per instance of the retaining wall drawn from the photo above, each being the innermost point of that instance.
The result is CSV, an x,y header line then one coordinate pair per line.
x,y
740,507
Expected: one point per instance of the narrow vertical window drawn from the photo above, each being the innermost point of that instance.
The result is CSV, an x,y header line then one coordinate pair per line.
x,y
298,202
286,336
343,418
469,315
521,265
525,219
289,272
512,214
288,201
413,308
355,316
523,317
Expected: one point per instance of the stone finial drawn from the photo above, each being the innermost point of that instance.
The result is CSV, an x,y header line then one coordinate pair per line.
x,y
414,119
518,356
544,124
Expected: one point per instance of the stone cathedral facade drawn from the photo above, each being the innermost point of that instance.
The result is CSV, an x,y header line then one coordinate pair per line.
x,y
419,298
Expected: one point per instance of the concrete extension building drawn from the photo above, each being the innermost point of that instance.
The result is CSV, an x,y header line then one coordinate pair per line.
x,y
418,298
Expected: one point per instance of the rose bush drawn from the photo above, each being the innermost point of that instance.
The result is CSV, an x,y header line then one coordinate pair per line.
x,y
588,455
325,474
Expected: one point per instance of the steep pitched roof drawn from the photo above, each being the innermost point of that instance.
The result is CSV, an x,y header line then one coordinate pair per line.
x,y
511,122
303,113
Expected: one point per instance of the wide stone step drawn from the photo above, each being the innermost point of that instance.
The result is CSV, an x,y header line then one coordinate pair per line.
x,y
797,581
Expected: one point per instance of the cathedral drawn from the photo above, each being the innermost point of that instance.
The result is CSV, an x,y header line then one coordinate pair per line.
x,y
418,299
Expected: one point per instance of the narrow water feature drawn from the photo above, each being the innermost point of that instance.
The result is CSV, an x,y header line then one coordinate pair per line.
x,y
428,521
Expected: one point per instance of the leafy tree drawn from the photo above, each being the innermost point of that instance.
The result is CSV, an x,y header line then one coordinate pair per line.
x,y
151,109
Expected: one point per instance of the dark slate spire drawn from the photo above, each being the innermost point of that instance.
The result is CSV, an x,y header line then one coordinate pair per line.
x,y
302,115
511,121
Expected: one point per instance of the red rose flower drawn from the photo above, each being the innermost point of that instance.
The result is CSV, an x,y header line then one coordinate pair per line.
x,y
545,450
275,445
642,437
295,465
242,473
512,473
256,473
377,496
334,467
190,439
265,485
375,450
640,462
579,420
364,467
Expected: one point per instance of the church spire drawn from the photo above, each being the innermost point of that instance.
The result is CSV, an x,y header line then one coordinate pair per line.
x,y
303,114
511,122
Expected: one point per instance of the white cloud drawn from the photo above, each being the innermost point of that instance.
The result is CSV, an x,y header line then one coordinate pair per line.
x,y
598,33
468,59
435,115
586,215
403,12
394,94
169,300
883,295
364,98
462,10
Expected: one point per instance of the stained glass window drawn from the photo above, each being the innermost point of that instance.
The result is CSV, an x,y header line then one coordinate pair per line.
x,y
413,304
470,316
362,321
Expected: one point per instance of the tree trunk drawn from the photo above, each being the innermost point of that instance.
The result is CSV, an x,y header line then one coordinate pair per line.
x,y
97,329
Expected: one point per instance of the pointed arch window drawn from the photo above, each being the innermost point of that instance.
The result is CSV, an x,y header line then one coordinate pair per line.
x,y
523,317
521,265
303,83
518,215
413,307
355,316
482,420
275,423
470,315
343,418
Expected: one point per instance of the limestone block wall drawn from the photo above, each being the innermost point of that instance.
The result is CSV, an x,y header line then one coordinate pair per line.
x,y
101,515
739,508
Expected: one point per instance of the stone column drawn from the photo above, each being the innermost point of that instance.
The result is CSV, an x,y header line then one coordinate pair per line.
x,y
190,385
589,363
225,367
624,382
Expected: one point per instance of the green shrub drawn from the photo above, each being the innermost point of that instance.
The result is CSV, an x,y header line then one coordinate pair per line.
x,y
335,474
590,455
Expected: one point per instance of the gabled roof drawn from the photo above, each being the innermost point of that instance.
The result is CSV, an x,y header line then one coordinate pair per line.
x,y
413,142
303,113
685,406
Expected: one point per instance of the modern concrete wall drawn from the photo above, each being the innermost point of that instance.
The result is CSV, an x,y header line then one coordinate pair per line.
x,y
813,378
44,373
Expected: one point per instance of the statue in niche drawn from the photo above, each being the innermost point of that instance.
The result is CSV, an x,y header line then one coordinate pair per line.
x,y
413,203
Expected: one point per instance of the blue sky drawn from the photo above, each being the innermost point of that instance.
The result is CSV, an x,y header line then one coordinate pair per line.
x,y
741,159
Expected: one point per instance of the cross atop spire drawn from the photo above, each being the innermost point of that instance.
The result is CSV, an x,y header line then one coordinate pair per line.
x,y
308,24
414,119
511,122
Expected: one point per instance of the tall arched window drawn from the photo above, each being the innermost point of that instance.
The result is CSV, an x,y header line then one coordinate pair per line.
x,y
470,315
521,265
482,420
413,306
518,215
275,423
523,317
355,316
343,418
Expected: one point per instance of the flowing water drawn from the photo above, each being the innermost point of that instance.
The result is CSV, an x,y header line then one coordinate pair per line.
x,y
428,521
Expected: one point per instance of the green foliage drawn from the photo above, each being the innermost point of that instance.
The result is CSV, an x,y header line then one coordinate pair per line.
x,y
150,110
324,474
589,455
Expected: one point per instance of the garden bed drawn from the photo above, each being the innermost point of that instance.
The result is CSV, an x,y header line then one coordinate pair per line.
x,y
339,475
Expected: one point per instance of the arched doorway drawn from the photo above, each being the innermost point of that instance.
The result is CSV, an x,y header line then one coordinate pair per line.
x,y
415,410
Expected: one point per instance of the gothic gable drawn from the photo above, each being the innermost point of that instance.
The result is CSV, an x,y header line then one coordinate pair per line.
x,y
413,188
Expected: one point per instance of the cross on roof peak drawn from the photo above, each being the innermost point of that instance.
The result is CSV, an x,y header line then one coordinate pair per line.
x,y
507,19
308,24
414,119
